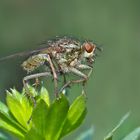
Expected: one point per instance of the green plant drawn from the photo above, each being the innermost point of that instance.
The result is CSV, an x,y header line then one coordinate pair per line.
x,y
133,135
48,120
44,121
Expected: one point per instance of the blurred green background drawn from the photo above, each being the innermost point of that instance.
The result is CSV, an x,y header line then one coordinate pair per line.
x,y
114,87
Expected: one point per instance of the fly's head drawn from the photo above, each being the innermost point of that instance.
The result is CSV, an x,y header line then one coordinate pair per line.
x,y
89,51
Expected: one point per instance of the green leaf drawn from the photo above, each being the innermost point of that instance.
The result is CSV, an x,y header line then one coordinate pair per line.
x,y
44,95
134,135
39,116
3,137
3,108
9,123
48,121
110,135
32,91
33,135
76,115
20,107
55,119
87,135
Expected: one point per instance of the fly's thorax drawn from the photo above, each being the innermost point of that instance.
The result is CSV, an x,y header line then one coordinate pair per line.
x,y
75,62
34,62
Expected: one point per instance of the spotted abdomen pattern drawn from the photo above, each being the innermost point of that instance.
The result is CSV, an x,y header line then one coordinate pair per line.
x,y
34,62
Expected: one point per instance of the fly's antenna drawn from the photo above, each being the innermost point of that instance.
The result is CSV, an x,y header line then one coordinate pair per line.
x,y
99,47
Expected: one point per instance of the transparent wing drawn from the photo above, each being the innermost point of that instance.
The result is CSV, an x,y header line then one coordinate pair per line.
x,y
42,46
21,54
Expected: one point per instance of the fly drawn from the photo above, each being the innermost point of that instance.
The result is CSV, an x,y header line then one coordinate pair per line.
x,y
61,56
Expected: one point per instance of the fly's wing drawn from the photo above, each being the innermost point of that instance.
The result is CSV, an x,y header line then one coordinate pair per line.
x,y
19,55
58,41
28,53
42,47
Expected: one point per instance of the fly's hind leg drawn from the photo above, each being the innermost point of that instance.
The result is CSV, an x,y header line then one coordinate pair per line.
x,y
54,74
33,76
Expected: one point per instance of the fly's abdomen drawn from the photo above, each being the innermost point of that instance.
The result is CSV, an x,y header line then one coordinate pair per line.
x,y
34,62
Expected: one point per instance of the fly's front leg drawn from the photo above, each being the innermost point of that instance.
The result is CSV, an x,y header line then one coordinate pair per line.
x,y
85,67
78,73
72,82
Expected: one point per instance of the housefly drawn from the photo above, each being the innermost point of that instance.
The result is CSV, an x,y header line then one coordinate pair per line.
x,y
61,55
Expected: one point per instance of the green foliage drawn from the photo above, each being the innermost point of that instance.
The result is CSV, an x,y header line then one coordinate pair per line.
x,y
20,108
110,134
134,135
75,115
48,120
3,137
43,120
87,135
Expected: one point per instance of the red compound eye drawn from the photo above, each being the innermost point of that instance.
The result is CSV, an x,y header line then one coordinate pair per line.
x,y
89,47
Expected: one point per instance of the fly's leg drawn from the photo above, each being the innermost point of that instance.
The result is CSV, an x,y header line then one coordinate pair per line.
x,y
79,73
65,90
33,76
36,84
76,72
85,67
82,80
54,75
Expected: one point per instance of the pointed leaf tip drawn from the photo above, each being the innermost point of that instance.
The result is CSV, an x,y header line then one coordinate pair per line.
x,y
20,107
44,95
